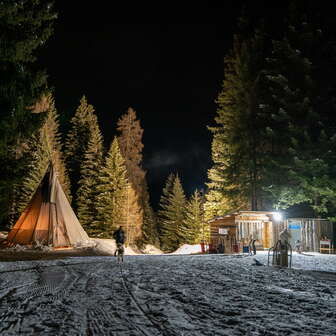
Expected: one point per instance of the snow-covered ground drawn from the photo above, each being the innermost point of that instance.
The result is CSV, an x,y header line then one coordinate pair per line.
x,y
168,295
188,249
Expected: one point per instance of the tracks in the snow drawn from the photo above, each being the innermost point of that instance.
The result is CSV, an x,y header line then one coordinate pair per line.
x,y
156,324
51,286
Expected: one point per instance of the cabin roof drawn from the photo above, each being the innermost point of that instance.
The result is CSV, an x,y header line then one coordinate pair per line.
x,y
242,212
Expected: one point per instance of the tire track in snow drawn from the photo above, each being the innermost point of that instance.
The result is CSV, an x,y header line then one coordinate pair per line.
x,y
18,300
116,318
64,281
156,324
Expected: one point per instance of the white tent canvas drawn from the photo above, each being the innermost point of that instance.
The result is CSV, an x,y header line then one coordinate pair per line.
x,y
48,219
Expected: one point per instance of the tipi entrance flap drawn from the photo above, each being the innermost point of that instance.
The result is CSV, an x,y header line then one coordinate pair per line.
x,y
24,228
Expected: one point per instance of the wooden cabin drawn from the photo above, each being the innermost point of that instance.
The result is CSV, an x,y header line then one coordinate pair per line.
x,y
233,231
311,232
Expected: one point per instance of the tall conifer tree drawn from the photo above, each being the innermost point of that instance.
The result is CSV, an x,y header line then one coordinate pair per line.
x,y
149,228
130,142
238,145
164,203
300,171
25,26
111,194
172,227
83,125
89,172
44,147
195,228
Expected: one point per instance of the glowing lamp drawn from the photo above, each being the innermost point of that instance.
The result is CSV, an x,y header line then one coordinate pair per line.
x,y
277,216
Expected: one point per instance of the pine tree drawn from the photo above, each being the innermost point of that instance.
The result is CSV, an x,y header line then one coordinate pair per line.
x,y
130,142
172,227
133,215
111,194
43,147
89,172
238,144
164,203
195,228
149,228
300,170
83,125
25,26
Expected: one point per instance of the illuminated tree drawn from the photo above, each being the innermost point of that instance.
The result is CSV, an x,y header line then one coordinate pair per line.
x,y
42,148
164,204
195,229
130,142
112,193
25,26
238,149
150,234
133,215
83,125
172,222
299,129
89,172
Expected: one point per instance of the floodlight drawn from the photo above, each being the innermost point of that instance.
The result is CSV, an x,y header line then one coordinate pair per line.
x,y
277,216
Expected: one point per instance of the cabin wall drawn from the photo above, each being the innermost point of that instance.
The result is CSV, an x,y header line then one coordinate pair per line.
x,y
310,231
241,229
226,240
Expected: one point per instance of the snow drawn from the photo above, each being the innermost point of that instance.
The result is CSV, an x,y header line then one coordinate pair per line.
x,y
108,246
188,249
150,249
168,295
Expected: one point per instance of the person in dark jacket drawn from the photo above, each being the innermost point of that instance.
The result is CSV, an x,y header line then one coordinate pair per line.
x,y
119,236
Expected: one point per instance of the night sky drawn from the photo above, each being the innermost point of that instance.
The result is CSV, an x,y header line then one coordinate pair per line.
x,y
169,73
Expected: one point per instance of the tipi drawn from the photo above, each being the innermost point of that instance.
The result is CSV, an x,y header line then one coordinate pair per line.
x,y
48,219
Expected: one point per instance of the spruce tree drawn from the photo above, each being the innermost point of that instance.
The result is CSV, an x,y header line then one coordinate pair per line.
x,y
133,215
300,171
44,147
112,192
150,233
82,127
130,142
238,144
172,228
25,26
195,228
164,203
89,172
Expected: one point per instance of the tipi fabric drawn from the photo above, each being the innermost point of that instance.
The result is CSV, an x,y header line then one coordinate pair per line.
x,y
48,219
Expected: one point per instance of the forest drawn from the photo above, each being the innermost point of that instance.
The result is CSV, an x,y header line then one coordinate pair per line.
x,y
273,134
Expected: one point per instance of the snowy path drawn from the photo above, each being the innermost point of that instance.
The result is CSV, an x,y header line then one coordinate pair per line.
x,y
168,295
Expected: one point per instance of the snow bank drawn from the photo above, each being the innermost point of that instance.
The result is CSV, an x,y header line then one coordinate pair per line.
x,y
108,246
188,249
151,249
313,261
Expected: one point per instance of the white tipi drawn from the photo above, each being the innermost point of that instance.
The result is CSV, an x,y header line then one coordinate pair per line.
x,y
48,219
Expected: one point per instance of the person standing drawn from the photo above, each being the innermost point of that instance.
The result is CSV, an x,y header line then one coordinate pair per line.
x,y
254,249
119,236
